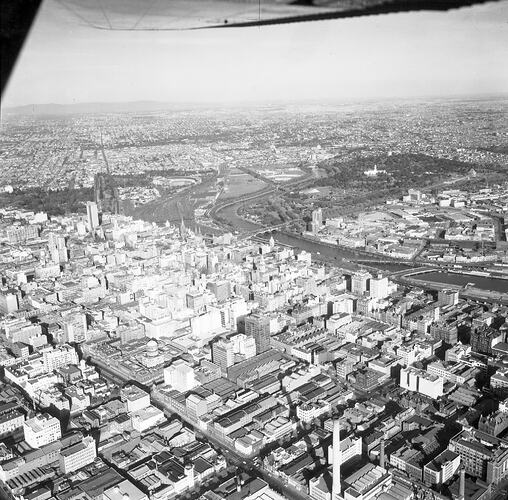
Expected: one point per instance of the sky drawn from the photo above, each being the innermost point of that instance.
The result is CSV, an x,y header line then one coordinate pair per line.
x,y
457,52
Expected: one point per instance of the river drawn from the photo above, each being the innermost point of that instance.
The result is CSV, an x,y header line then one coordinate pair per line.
x,y
481,282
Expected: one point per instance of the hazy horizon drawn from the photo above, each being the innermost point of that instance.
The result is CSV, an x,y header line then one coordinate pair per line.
x,y
418,55
338,101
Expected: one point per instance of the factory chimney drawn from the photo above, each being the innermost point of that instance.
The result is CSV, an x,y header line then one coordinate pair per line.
x,y
336,461
382,454
462,484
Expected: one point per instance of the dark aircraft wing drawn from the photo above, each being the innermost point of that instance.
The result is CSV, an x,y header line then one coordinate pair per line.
x,y
195,14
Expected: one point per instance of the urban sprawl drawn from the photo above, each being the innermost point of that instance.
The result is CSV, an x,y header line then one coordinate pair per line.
x,y
156,361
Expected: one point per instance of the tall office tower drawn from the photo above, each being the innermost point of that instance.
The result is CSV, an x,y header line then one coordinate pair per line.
x,y
379,287
92,213
223,354
317,220
180,376
360,282
258,326
448,297
336,461
57,248
74,327
8,301
183,230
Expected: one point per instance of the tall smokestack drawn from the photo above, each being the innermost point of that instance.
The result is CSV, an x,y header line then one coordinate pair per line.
x,y
336,460
462,484
382,454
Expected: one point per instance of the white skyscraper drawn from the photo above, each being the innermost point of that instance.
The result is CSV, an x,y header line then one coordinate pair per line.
x,y
317,220
379,287
93,215
360,282
180,375
223,354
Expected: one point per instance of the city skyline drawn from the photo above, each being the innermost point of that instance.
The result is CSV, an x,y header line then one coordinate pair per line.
x,y
398,55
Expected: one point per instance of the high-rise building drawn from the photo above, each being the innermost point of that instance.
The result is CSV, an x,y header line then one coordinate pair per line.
x,y
74,327
8,301
57,248
317,220
41,429
228,351
180,376
379,287
92,213
258,326
360,282
448,297
223,354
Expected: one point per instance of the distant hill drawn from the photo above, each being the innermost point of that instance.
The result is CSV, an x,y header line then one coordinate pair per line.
x,y
148,106
91,107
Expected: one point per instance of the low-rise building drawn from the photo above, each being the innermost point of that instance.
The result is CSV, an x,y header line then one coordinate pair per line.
x,y
41,429
442,468
422,382
78,455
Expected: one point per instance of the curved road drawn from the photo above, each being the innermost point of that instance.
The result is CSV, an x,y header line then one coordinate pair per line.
x,y
324,252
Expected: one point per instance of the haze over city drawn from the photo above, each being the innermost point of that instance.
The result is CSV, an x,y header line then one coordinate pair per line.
x,y
399,55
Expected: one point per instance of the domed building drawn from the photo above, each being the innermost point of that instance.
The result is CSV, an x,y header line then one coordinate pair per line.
x,y
152,357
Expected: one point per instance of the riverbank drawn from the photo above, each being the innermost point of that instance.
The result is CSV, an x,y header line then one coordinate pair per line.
x,y
462,279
